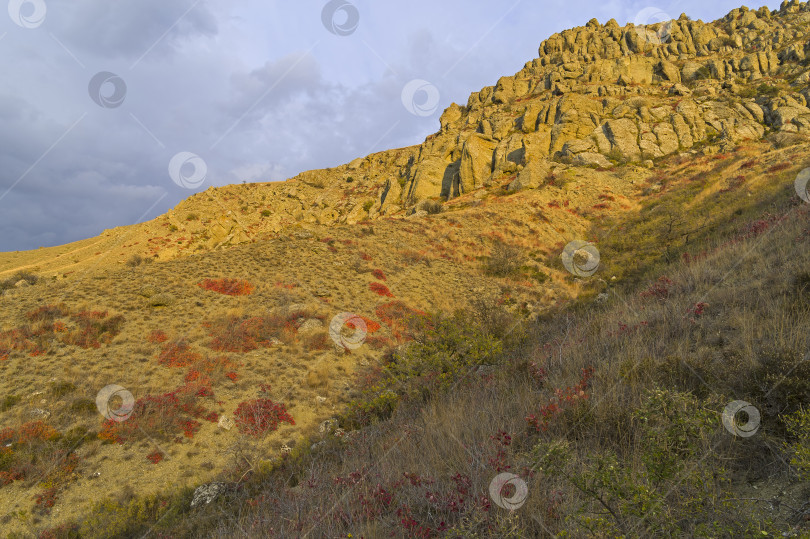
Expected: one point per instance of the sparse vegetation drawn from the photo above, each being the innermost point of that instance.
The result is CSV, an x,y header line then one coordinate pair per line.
x,y
504,260
21,276
607,396
229,287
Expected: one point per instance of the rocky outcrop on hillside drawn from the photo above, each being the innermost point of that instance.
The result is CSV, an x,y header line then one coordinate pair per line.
x,y
597,95
601,94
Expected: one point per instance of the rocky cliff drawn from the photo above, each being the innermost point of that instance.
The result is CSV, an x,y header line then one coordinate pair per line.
x,y
603,93
597,96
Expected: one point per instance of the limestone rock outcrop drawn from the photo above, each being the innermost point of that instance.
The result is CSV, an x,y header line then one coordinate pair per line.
x,y
596,96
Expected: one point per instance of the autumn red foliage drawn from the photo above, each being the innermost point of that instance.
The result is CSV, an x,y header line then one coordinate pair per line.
x,y
157,336
259,416
563,399
86,329
177,353
240,334
399,317
380,289
229,287
162,416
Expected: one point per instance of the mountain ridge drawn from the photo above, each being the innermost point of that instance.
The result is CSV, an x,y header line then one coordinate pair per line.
x,y
609,138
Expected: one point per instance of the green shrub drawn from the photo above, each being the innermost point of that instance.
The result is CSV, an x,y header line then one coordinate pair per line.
x,y
446,347
671,470
504,260
432,206
134,261
9,401
60,389
799,427
26,276
83,406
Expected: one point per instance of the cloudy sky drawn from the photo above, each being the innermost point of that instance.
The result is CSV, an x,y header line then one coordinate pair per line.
x,y
111,112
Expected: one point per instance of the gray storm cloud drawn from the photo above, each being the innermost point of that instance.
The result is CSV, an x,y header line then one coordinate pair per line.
x,y
260,90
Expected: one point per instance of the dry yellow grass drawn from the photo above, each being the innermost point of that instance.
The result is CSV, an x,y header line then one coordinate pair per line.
x,y
431,263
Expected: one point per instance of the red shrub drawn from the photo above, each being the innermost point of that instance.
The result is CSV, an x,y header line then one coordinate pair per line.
x,y
155,456
94,328
161,416
33,450
59,532
235,334
157,336
230,287
378,274
210,370
48,313
24,339
46,499
260,416
398,317
36,431
658,290
779,167
371,325
365,256
177,353
562,399
288,286
88,329
696,310
733,183
380,289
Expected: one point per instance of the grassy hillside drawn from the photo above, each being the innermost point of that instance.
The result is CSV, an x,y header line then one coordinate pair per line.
x,y
608,407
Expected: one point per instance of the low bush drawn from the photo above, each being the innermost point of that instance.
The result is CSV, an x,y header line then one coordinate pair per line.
x,y
401,319
164,416
54,323
380,289
433,207
36,450
229,287
11,282
243,334
177,353
259,416
504,260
